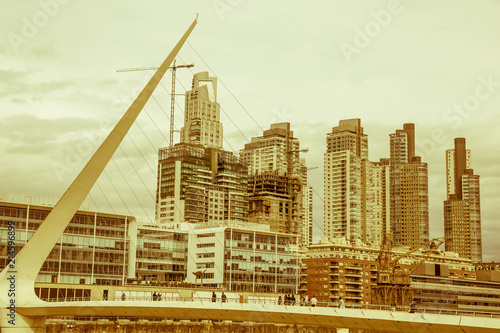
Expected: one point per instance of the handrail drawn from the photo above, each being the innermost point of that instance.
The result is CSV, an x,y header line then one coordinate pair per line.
x,y
268,301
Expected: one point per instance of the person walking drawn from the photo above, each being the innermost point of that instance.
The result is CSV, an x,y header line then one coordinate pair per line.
x,y
123,296
306,300
413,306
214,297
314,301
223,297
279,300
341,303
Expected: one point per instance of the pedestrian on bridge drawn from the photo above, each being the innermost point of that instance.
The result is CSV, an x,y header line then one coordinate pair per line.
x,y
214,297
341,303
413,306
223,297
314,301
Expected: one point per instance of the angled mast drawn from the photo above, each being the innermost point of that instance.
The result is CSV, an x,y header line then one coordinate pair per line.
x,y
31,258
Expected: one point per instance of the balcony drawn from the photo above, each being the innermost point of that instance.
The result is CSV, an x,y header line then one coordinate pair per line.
x,y
357,275
353,297
354,267
352,290
359,282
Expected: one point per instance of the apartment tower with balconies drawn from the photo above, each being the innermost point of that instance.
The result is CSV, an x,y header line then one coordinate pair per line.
x,y
462,210
409,196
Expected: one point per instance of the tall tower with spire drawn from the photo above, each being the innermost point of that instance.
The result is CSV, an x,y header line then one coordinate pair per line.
x,y
202,124
198,181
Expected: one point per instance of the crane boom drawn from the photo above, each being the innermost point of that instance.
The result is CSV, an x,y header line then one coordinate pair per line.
x,y
151,68
172,92
393,281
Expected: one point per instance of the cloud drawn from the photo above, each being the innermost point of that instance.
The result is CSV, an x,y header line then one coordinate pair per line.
x,y
24,83
18,100
43,49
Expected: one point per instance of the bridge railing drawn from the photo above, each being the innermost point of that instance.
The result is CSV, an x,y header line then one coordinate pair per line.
x,y
272,301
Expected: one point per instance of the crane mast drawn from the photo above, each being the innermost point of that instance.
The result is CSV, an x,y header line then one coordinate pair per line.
x,y
393,280
172,91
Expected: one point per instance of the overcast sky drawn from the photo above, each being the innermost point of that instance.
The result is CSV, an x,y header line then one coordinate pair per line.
x,y
432,63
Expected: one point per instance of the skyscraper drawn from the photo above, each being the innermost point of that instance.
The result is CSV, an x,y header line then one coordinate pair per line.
x,y
378,199
198,181
277,182
408,190
346,158
202,124
462,213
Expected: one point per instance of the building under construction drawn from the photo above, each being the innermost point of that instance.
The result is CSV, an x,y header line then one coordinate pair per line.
x,y
277,182
270,202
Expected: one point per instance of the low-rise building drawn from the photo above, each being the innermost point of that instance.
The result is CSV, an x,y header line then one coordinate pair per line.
x,y
93,248
161,254
244,258
341,269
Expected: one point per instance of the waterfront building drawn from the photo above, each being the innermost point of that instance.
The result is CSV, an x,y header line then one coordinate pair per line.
x,y
198,181
337,268
243,257
92,250
408,190
462,211
277,182
448,293
161,255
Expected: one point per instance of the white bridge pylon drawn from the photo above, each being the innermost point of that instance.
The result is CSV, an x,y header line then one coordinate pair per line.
x,y
17,281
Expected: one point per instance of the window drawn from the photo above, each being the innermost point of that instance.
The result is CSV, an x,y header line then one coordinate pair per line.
x,y
205,245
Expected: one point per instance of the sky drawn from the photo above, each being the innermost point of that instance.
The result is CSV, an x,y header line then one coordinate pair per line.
x,y
432,63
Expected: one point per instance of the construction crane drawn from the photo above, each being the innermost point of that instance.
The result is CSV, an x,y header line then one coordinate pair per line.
x,y
172,92
393,280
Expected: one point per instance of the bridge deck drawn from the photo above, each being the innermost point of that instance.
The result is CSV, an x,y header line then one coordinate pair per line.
x,y
383,320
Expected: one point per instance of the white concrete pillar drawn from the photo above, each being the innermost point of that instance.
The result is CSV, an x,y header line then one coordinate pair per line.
x,y
12,322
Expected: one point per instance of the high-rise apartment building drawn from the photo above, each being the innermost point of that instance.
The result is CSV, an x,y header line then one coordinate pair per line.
x,y
378,200
462,213
277,182
198,180
346,163
408,190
